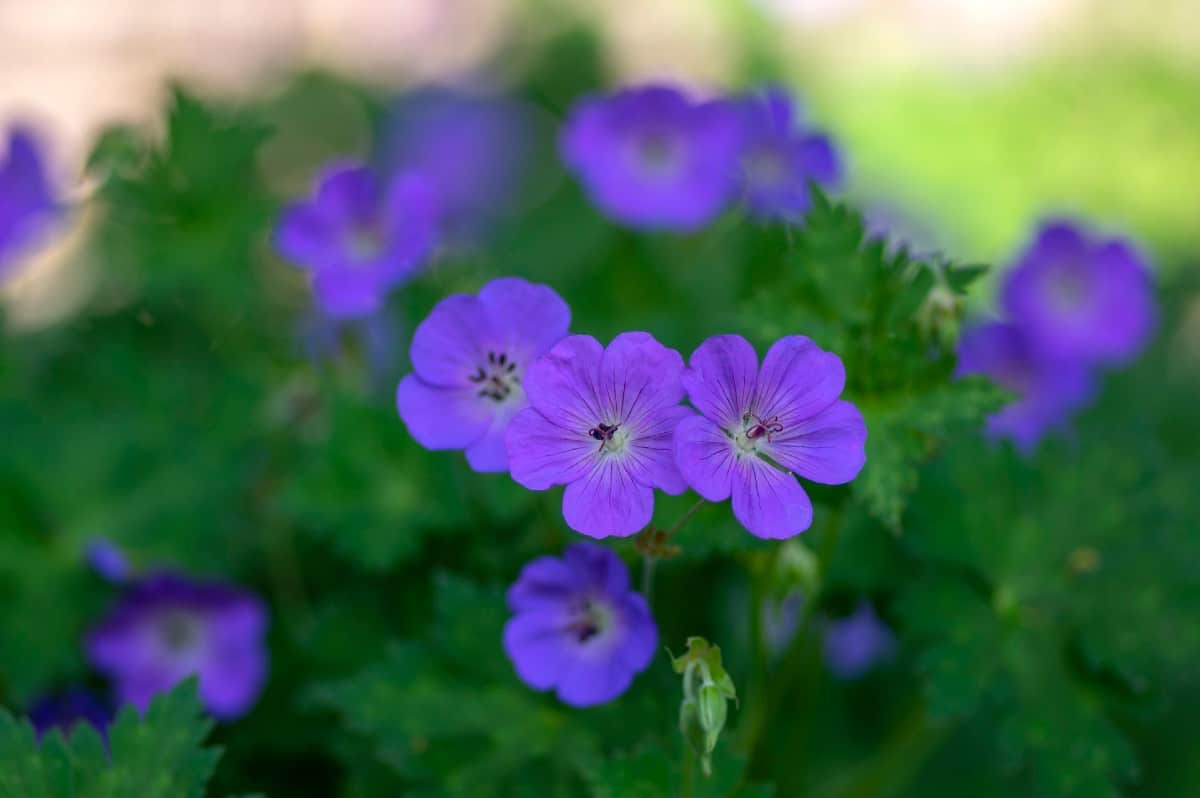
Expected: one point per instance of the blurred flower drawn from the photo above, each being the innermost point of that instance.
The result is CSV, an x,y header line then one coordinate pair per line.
x,y
168,627
472,150
469,357
779,157
853,645
650,157
359,238
1081,299
758,428
27,207
780,620
577,627
106,559
1048,391
600,422
66,709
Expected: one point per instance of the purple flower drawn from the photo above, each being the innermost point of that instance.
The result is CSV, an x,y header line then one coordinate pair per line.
x,y
27,207
856,643
168,627
106,559
359,238
577,627
779,157
600,422
470,358
758,428
1081,299
473,149
650,157
1048,391
66,709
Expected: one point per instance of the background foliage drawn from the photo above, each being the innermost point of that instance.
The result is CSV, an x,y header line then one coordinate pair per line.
x,y
195,413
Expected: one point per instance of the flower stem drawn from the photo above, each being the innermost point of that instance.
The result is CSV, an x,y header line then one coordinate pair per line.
x,y
683,519
648,578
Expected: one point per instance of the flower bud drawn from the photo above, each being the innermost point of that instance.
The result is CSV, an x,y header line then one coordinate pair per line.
x,y
711,711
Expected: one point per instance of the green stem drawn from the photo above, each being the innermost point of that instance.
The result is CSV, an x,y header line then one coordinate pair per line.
x,y
683,519
648,578
688,774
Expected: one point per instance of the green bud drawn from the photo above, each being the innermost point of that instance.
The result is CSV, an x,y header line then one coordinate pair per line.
x,y
690,725
711,711
796,568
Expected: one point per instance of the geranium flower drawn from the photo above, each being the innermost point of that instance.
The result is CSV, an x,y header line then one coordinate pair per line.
x,y
27,206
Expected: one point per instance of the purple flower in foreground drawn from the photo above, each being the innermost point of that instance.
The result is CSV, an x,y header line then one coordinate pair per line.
x,y
650,157
779,157
856,643
106,559
758,428
27,207
1048,391
1081,299
66,709
167,628
359,238
470,358
577,627
600,422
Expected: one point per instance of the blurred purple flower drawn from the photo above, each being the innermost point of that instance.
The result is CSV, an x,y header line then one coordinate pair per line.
x,y
650,157
600,422
1081,299
107,559
758,428
472,149
1048,391
853,645
359,238
470,357
66,709
168,627
779,157
27,207
577,627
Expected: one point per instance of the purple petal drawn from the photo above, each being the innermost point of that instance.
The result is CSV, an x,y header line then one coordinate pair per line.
x,y
348,192
593,679
706,457
531,318
545,583
721,377
637,376
827,448
653,449
819,160
441,418
596,568
770,503
607,501
447,346
539,649
305,237
563,384
489,455
797,381
348,294
641,634
542,453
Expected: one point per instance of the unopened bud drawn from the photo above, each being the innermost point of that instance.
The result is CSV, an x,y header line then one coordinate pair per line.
x,y
712,714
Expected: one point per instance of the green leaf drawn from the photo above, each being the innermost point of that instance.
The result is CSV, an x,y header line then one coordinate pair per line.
x,y
160,755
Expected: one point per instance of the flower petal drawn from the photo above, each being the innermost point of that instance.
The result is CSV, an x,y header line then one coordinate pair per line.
x,y
770,503
441,418
541,453
348,294
597,568
594,679
641,634
652,449
637,376
531,318
304,236
721,377
705,456
348,192
607,501
797,381
540,651
447,346
563,384
827,448
545,583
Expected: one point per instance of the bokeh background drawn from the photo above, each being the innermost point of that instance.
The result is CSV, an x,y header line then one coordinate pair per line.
x,y
168,388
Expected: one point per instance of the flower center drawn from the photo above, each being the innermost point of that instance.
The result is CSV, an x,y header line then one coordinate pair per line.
x,y
1066,290
179,630
498,378
613,438
754,431
764,167
657,154
589,620
364,242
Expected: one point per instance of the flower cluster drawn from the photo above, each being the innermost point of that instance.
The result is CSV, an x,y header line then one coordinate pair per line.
x,y
1074,303
652,157
27,206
